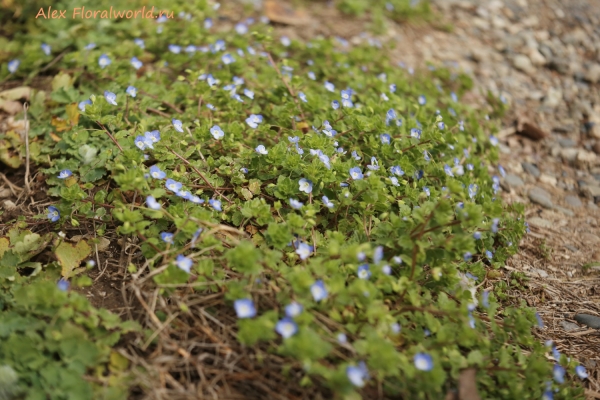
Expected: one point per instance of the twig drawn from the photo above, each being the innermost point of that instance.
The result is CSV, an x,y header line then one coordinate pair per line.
x,y
166,103
56,59
287,86
25,108
110,136
155,111
11,186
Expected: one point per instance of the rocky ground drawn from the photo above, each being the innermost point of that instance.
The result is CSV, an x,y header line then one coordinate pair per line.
x,y
543,57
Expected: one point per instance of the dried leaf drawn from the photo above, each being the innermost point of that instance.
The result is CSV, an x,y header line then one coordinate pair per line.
x,y
70,257
21,92
60,124
10,106
73,114
62,80
55,137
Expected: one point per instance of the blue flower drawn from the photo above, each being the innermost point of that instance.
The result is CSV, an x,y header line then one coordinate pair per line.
x,y
494,227
396,328
139,42
167,237
217,132
195,237
426,190
211,80
454,97
227,59
415,133
356,173
241,28
396,170
249,93
363,271
293,309
104,61
328,203
156,173
184,263
286,327
65,173
357,375
173,185
254,120
53,214
418,174
303,250
355,155
378,254
152,137
177,125
485,298
335,104
467,256
137,64
397,260
90,46
423,362
422,100
302,97
581,372
244,170
299,150
473,189
305,185
208,23
393,88
132,91
502,171
260,149
477,235
294,139
540,322
173,48
216,204
448,170
210,106
493,140
196,200
82,104
374,166
110,97
361,256
441,126
318,290
142,142
46,48
296,205
329,86
386,269
63,285
558,373
244,308
341,338
548,395
489,254
152,203
385,138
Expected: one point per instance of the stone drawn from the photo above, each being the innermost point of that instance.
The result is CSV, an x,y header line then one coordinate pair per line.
x,y
569,326
541,197
596,147
539,222
550,180
513,180
590,191
522,63
560,65
553,98
531,169
572,248
573,201
590,320
566,143
589,238
592,75
586,158
536,57
536,272
569,154
565,211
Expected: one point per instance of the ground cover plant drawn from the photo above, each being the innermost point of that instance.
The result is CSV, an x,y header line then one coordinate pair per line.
x,y
338,209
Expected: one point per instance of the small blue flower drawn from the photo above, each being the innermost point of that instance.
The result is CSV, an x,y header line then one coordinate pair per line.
x,y
293,309
195,237
473,189
227,59
244,308
286,327
329,86
305,185
448,170
46,49
356,173
249,93
294,139
396,170
386,269
418,174
422,100
485,299
374,166
53,214
355,155
467,256
63,285
210,106
415,133
82,104
173,185
216,204
385,138
137,64
217,132
426,190
110,97
296,205
477,235
141,142
104,61
152,203
540,322
312,75
363,271
454,97
184,263
494,227
254,120
90,46
501,170
341,338
304,250
489,254
357,375
493,140
175,49
302,97
208,23
260,149
378,254
139,42
244,170
152,137
558,373
167,237
285,41
423,362
328,203
361,256
156,173
335,104
132,91
177,125
581,372
397,260
65,173
241,28
318,290
441,126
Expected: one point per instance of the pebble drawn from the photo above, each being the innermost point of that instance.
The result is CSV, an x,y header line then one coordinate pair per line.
x,y
565,211
590,320
566,143
550,180
531,169
541,197
573,201
540,222
569,326
590,191
540,273
592,75
523,63
513,180
572,248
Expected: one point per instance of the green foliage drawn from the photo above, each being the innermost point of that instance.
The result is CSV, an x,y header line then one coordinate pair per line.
x,y
385,267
